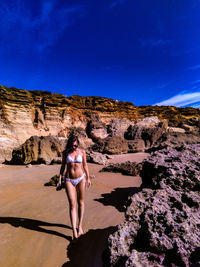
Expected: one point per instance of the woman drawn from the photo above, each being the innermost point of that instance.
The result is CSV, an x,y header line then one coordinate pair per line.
x,y
74,159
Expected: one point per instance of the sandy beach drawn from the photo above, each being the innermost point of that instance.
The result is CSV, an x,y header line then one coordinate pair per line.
x,y
35,225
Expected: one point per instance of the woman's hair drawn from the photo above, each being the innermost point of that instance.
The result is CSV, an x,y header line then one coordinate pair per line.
x,y
72,138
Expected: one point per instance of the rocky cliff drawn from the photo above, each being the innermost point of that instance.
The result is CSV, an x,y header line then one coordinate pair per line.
x,y
26,113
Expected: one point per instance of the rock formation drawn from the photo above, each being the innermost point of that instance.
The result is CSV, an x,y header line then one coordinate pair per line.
x,y
148,129
175,138
161,229
126,168
162,222
54,180
96,157
118,127
26,113
43,149
111,145
178,168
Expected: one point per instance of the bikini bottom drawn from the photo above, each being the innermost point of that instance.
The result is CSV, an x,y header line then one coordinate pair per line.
x,y
76,180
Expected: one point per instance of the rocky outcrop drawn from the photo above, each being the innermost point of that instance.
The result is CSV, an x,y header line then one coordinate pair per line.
x,y
172,139
96,157
97,130
161,226
54,181
118,127
36,150
126,168
161,229
190,126
148,129
111,145
136,145
178,168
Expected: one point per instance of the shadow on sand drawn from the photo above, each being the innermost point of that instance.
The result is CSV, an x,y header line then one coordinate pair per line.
x,y
90,249
118,197
35,225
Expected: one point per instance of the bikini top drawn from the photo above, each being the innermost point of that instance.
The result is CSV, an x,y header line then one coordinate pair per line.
x,y
77,160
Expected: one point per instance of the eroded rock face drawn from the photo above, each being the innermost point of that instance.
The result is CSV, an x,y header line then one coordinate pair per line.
x,y
43,149
136,145
171,139
177,167
161,229
148,129
191,125
118,127
162,224
111,145
97,130
126,168
96,157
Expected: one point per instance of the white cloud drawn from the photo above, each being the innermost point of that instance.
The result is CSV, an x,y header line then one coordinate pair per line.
x,y
181,100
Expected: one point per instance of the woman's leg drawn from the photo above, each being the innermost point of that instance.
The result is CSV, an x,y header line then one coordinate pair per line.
x,y
80,195
71,194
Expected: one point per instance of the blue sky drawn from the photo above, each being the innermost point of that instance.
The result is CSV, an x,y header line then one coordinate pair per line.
x,y
143,51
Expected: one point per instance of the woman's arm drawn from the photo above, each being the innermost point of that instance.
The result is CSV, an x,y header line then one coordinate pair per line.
x,y
62,168
85,167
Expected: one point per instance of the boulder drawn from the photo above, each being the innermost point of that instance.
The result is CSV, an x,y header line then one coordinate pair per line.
x,y
178,168
191,125
54,180
115,145
148,129
136,145
126,168
171,139
175,130
117,127
96,157
96,130
111,145
57,160
38,150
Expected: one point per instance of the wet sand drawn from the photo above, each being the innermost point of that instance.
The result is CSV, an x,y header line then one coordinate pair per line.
x,y
35,227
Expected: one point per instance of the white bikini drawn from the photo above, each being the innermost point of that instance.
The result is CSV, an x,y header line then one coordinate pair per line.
x,y
77,160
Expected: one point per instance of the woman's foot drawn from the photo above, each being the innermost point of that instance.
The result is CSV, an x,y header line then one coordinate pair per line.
x,y
80,231
75,235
